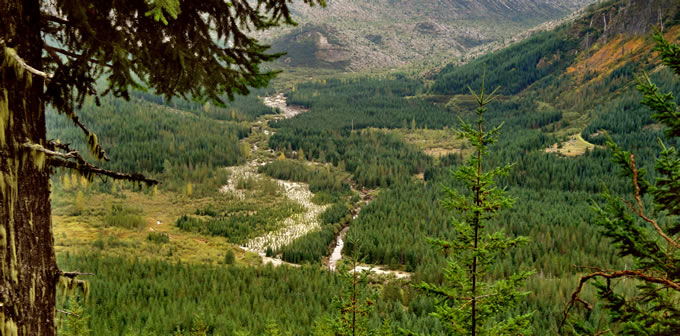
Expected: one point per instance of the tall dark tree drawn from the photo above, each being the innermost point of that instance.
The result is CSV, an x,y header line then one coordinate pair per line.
x,y
471,301
648,235
52,53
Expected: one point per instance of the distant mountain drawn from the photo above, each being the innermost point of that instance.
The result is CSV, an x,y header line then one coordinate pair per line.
x,y
355,35
605,37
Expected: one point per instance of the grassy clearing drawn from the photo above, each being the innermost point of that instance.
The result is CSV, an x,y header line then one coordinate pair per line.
x,y
435,143
158,213
575,146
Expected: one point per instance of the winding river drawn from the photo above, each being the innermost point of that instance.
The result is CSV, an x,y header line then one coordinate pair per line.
x,y
278,101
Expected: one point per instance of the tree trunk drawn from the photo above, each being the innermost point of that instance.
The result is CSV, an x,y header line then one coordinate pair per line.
x,y
28,269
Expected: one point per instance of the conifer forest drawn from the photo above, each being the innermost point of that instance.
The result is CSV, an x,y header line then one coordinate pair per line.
x,y
164,172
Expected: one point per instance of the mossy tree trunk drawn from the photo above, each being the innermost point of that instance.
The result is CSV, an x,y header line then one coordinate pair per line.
x,y
28,269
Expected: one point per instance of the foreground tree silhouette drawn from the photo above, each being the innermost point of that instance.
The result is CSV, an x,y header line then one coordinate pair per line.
x,y
470,299
649,237
51,53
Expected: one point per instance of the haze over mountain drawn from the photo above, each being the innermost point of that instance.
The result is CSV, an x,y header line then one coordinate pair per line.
x,y
356,35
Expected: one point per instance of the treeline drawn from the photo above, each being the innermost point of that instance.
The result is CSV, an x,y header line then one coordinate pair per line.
x,y
132,296
375,159
241,108
513,68
364,103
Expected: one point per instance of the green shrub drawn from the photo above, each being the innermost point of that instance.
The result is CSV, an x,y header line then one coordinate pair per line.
x,y
124,217
230,257
158,237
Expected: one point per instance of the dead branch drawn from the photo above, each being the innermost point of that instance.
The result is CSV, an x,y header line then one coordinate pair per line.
x,y
90,169
70,155
585,303
58,159
639,210
23,63
73,274
612,275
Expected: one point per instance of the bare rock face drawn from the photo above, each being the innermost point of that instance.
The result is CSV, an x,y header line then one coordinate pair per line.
x,y
353,35
325,51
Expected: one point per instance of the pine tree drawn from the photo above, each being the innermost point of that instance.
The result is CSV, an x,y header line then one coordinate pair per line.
x,y
355,303
470,302
76,319
52,53
649,236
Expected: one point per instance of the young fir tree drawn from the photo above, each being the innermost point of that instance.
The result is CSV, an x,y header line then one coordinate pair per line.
x,y
53,53
354,305
649,236
470,301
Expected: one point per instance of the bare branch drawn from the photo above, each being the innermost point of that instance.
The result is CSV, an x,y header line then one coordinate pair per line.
x,y
585,303
70,155
73,274
58,159
639,210
612,275
88,168
23,63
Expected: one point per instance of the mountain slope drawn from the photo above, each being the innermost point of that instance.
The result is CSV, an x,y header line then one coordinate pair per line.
x,y
606,37
355,35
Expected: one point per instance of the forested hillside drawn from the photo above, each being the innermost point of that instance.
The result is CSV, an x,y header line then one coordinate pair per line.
x,y
370,151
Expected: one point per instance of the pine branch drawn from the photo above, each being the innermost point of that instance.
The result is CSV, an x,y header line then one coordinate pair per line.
x,y
639,211
612,275
52,50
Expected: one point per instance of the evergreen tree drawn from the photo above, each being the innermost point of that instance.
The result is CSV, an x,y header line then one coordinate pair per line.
x,y
648,236
52,53
76,319
470,302
355,304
